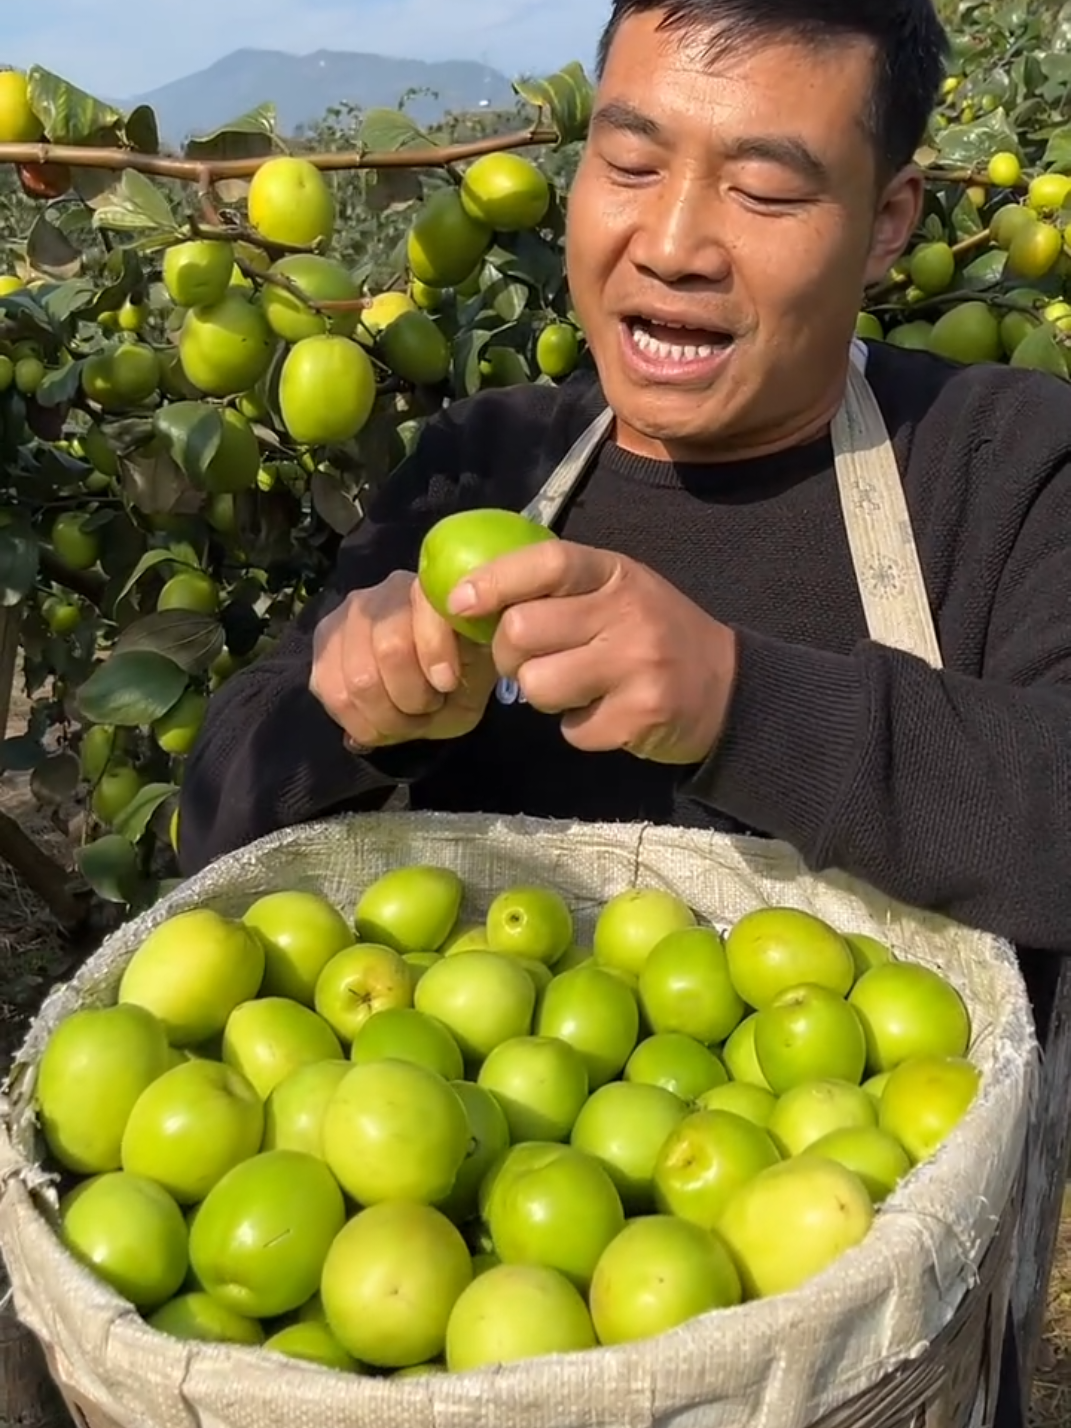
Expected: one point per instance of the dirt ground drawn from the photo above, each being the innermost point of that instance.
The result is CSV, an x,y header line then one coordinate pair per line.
x,y
33,958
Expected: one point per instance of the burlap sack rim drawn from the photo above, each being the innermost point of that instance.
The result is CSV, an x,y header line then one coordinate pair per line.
x,y
986,1151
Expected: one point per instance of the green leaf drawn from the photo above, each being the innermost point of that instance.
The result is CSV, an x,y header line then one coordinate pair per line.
x,y
1057,153
192,640
110,867
21,754
468,350
507,297
136,205
131,688
250,136
136,816
190,433
148,561
984,271
141,131
50,251
972,144
564,100
388,131
70,116
69,298
19,554
60,385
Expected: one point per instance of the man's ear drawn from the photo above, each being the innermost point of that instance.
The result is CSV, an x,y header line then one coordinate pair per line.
x,y
897,217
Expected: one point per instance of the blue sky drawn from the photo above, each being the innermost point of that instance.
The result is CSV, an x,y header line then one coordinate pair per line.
x,y
113,49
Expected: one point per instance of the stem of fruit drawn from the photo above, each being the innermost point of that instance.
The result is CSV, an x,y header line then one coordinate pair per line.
x,y
280,280
970,178
902,280
193,170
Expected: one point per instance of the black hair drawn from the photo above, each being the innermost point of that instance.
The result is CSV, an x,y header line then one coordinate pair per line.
x,y
910,47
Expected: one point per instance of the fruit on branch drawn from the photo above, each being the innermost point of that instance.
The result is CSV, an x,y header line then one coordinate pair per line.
x,y
198,273
290,203
414,349
319,280
123,376
506,192
327,389
381,312
226,347
44,181
78,548
445,242
557,350
18,122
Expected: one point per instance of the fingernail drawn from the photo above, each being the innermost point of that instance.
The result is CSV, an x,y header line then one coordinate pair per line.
x,y
443,678
462,598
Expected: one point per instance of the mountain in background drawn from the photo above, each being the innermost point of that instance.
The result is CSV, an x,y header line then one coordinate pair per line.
x,y
302,87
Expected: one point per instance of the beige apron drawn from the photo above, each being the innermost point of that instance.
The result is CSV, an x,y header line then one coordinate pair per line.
x,y
876,518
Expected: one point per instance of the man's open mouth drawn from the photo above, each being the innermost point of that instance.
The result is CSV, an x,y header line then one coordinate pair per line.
x,y
673,349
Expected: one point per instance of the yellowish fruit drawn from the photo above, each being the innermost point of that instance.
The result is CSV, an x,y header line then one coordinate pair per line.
x,y
320,280
237,460
10,284
190,590
425,296
18,123
197,274
1008,221
131,317
290,203
932,267
969,333
415,349
99,452
1004,170
177,730
445,243
29,374
1034,250
381,312
123,376
506,191
226,347
1048,191
327,389
173,830
977,195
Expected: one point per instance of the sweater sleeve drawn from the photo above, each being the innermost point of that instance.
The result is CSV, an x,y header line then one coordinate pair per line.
x,y
947,792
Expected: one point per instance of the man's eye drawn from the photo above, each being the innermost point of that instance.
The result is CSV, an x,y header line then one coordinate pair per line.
x,y
629,171
765,200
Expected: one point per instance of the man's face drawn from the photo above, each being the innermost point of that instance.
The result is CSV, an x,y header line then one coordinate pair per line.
x,y
725,218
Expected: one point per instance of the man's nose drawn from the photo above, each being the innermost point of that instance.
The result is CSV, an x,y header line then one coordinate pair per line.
x,y
679,234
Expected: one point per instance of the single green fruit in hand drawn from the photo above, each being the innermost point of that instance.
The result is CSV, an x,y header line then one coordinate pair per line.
x,y
445,243
327,390
676,1062
414,348
259,1240
660,1272
530,922
925,1099
290,203
404,1034
633,923
908,1010
294,1111
129,1231
359,982
558,1209
489,1138
192,971
313,1342
395,1131
460,544
879,1161
269,1038
321,280
513,1312
775,948
198,274
704,1160
226,346
809,1034
792,1221
411,909
301,932
595,1011
624,1126
506,192
198,1316
541,1084
814,1109
685,986
96,1065
192,1125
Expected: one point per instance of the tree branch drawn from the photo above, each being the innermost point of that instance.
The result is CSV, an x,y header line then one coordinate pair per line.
x,y
57,889
200,171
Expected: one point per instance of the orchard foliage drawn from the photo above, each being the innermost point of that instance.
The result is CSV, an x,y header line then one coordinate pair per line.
x,y
174,485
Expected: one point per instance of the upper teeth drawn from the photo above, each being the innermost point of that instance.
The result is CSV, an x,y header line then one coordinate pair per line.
x,y
676,351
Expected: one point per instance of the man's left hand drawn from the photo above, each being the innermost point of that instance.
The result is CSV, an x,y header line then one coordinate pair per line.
x,y
625,658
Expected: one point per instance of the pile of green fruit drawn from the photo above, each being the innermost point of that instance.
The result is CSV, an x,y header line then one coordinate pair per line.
x,y
411,1143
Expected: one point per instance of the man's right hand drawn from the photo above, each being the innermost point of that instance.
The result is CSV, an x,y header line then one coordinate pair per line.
x,y
389,670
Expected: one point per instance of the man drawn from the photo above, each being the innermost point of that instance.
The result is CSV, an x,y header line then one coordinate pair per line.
x,y
693,650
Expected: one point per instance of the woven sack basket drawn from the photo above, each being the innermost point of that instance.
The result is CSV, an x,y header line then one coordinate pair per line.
x,y
900,1329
